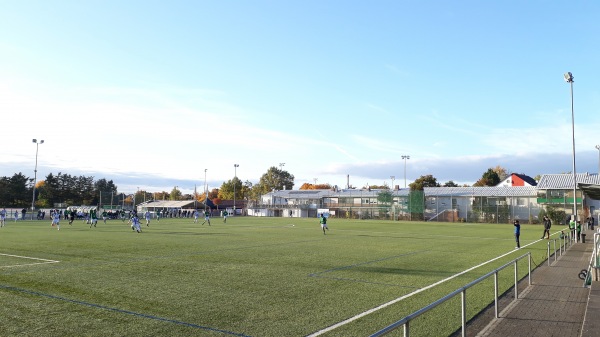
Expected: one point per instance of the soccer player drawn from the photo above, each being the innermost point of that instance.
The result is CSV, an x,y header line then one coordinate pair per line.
x,y
196,215
225,216
323,222
104,216
147,216
157,216
16,216
135,224
56,219
71,217
206,217
3,217
93,217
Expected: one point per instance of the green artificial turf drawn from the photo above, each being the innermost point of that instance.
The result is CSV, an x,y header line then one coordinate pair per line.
x,y
252,276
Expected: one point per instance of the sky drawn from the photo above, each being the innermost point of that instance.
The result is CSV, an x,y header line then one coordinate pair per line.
x,y
158,94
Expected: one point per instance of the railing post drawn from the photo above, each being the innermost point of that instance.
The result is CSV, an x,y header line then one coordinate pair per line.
x,y
463,296
529,262
548,249
554,241
516,280
407,329
496,292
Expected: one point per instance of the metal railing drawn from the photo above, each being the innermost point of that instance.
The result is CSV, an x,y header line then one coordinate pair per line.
x,y
595,262
405,322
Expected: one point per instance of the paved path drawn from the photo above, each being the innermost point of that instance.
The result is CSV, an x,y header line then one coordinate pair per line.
x,y
556,302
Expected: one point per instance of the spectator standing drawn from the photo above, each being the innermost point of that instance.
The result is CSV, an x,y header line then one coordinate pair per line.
x,y
517,233
547,225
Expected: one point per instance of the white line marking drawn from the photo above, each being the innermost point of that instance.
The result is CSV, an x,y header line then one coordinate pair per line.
x,y
28,264
46,261
370,311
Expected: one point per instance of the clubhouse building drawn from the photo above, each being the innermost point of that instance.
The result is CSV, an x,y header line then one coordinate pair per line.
x,y
517,197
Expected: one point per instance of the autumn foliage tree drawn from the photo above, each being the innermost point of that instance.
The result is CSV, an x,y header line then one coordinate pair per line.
x,y
489,178
424,181
308,186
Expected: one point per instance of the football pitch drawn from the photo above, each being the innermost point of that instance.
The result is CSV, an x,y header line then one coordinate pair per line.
x,y
251,276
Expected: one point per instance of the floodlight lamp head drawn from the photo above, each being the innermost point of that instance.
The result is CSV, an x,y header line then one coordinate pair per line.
x,y
42,141
597,147
568,77
34,140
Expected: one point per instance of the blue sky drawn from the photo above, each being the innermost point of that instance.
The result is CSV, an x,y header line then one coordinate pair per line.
x,y
152,93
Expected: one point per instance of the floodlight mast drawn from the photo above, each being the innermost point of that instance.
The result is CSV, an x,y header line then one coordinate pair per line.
x,y
570,79
598,148
405,157
235,166
37,146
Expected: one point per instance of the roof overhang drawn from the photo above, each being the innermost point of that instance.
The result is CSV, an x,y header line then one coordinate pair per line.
x,y
591,190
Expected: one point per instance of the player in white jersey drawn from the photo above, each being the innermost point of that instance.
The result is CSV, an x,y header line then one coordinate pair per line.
x,y
147,216
3,217
56,220
196,215
16,215
135,224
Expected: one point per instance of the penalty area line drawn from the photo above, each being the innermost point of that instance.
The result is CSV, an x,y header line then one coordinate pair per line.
x,y
29,257
370,311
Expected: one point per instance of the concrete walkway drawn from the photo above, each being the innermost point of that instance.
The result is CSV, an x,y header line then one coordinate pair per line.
x,y
556,303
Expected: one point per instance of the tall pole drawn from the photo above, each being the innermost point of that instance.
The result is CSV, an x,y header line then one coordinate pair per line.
x,y
598,148
205,190
405,157
37,146
235,166
569,79
281,165
393,178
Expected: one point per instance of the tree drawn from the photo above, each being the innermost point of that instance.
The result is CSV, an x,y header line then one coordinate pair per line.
x,y
85,186
450,184
274,179
14,191
105,189
377,187
216,201
247,190
384,199
213,194
229,187
422,182
140,197
501,172
308,186
20,194
489,178
557,217
175,194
